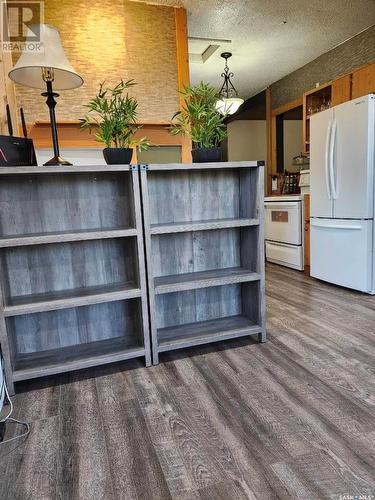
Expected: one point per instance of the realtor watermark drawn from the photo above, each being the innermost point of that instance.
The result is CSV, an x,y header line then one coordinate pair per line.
x,y
20,30
356,497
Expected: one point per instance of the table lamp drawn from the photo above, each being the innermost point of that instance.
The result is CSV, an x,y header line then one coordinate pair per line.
x,y
40,69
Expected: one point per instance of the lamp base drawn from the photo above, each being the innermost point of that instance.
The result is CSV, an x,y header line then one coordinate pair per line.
x,y
56,160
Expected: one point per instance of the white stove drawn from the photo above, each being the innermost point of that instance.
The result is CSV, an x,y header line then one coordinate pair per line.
x,y
283,230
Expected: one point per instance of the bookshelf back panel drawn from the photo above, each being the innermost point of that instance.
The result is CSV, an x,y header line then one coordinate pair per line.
x,y
37,332
197,251
179,308
189,196
41,269
34,204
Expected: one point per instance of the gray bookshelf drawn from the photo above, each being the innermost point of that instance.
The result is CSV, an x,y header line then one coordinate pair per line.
x,y
73,283
203,230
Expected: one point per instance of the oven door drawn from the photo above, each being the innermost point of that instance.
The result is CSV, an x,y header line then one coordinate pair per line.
x,y
283,222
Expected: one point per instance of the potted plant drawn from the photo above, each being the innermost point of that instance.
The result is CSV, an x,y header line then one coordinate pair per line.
x,y
200,120
113,114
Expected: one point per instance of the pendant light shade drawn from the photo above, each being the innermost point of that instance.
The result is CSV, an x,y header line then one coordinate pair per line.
x,y
228,106
229,102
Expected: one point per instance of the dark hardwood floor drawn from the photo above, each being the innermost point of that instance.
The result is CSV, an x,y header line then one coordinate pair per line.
x,y
292,419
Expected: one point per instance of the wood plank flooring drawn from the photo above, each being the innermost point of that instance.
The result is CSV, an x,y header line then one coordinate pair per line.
x,y
292,419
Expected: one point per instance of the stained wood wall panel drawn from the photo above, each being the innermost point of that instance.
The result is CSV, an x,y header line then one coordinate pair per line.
x,y
341,90
110,40
363,81
7,87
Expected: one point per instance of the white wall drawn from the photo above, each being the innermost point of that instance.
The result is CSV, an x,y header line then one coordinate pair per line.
x,y
77,156
292,143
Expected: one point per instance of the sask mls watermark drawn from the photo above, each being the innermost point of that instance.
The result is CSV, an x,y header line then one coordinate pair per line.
x,y
16,17
362,496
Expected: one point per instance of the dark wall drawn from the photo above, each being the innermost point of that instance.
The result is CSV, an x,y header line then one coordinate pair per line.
x,y
253,108
350,55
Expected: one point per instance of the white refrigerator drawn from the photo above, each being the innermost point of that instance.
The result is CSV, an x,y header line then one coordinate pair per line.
x,y
342,194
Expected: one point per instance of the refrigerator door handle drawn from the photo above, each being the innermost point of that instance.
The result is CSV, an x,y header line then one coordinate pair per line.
x,y
332,144
326,158
323,225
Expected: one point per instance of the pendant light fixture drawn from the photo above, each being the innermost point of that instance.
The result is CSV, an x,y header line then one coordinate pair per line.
x,y
229,102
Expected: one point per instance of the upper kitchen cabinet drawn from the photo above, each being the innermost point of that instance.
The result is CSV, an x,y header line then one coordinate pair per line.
x,y
363,81
314,101
341,90
356,84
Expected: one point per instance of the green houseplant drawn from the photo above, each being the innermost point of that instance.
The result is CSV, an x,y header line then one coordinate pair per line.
x,y
201,121
113,113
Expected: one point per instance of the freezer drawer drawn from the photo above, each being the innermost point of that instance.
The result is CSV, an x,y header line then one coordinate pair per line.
x,y
341,252
285,255
283,222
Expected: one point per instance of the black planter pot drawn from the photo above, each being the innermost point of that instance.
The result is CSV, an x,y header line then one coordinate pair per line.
x,y
118,156
206,155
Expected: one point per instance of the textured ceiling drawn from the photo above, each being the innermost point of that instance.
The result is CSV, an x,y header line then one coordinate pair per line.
x,y
264,48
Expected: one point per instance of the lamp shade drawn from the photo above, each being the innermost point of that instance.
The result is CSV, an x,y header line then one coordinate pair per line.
x,y
28,69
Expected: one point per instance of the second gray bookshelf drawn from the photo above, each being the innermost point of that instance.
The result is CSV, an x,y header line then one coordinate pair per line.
x,y
203,230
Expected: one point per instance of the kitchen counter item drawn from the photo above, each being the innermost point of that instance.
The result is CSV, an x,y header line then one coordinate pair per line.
x,y
304,182
301,159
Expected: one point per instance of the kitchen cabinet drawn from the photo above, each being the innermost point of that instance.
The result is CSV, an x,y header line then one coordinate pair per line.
x,y
341,90
360,82
314,101
363,81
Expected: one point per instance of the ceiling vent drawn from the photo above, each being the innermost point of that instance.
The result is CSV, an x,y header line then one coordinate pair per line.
x,y
201,49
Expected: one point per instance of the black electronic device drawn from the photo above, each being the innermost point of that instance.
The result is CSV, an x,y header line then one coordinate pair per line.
x,y
16,151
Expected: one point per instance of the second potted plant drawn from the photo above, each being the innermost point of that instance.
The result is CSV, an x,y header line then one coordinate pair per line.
x,y
200,120
113,114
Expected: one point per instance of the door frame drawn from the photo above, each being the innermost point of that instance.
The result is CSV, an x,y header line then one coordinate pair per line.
x,y
271,119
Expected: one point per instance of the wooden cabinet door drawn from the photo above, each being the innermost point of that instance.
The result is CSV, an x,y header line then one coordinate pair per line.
x,y
341,90
306,226
363,81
